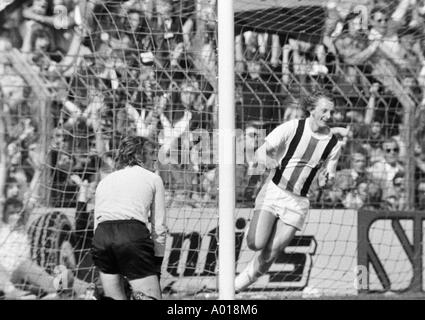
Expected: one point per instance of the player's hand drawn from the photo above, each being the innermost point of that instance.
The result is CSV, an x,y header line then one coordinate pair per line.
x,y
323,179
240,67
330,182
271,163
76,179
374,89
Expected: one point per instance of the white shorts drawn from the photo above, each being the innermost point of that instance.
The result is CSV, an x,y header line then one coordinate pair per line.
x,y
285,205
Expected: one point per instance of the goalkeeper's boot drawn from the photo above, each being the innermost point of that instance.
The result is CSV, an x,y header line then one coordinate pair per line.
x,y
243,280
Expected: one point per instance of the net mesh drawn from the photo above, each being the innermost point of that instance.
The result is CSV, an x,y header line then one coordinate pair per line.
x,y
77,77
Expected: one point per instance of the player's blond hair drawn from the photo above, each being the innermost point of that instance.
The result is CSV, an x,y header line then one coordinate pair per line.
x,y
309,102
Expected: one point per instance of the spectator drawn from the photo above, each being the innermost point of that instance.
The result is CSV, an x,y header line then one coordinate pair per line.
x,y
12,190
67,16
355,199
399,137
386,26
175,123
373,198
410,42
308,60
374,140
16,265
75,55
293,109
391,65
15,169
204,43
286,72
421,196
11,26
35,15
12,86
330,199
384,171
245,49
36,12
368,126
168,32
398,201
40,49
210,186
138,36
357,170
353,47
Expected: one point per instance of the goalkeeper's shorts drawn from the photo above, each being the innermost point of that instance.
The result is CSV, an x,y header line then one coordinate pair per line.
x,y
124,247
287,206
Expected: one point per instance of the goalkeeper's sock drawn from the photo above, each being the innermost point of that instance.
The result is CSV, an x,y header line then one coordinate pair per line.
x,y
242,281
246,277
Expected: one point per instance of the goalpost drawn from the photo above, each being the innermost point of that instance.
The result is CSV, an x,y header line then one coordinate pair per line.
x,y
227,148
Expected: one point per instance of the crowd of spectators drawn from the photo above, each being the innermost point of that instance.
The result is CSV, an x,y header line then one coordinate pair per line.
x,y
114,68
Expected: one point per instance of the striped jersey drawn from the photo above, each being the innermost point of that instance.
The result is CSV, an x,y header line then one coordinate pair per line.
x,y
301,153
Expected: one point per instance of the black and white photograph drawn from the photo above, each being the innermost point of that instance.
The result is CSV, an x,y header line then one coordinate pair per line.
x,y
211,151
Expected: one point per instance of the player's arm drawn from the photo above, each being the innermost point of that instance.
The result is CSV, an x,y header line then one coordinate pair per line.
x,y
327,179
265,156
158,218
275,144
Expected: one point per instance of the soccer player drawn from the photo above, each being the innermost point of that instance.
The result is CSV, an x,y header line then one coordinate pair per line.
x,y
126,201
300,153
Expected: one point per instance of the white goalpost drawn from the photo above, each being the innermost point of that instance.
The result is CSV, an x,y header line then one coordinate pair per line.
x,y
227,149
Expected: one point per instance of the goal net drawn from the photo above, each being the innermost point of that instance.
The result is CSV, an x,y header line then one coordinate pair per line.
x,y
77,78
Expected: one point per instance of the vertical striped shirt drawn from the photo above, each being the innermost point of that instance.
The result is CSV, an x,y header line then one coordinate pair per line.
x,y
301,153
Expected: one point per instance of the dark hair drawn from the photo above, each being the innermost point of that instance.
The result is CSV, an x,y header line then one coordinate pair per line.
x,y
135,10
42,33
11,202
308,103
374,195
359,149
351,16
380,8
377,119
140,27
9,181
130,151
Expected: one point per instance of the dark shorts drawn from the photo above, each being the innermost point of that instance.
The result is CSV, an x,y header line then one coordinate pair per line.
x,y
124,247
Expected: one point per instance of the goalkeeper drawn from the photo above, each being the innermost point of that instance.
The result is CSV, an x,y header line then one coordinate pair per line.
x,y
126,201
